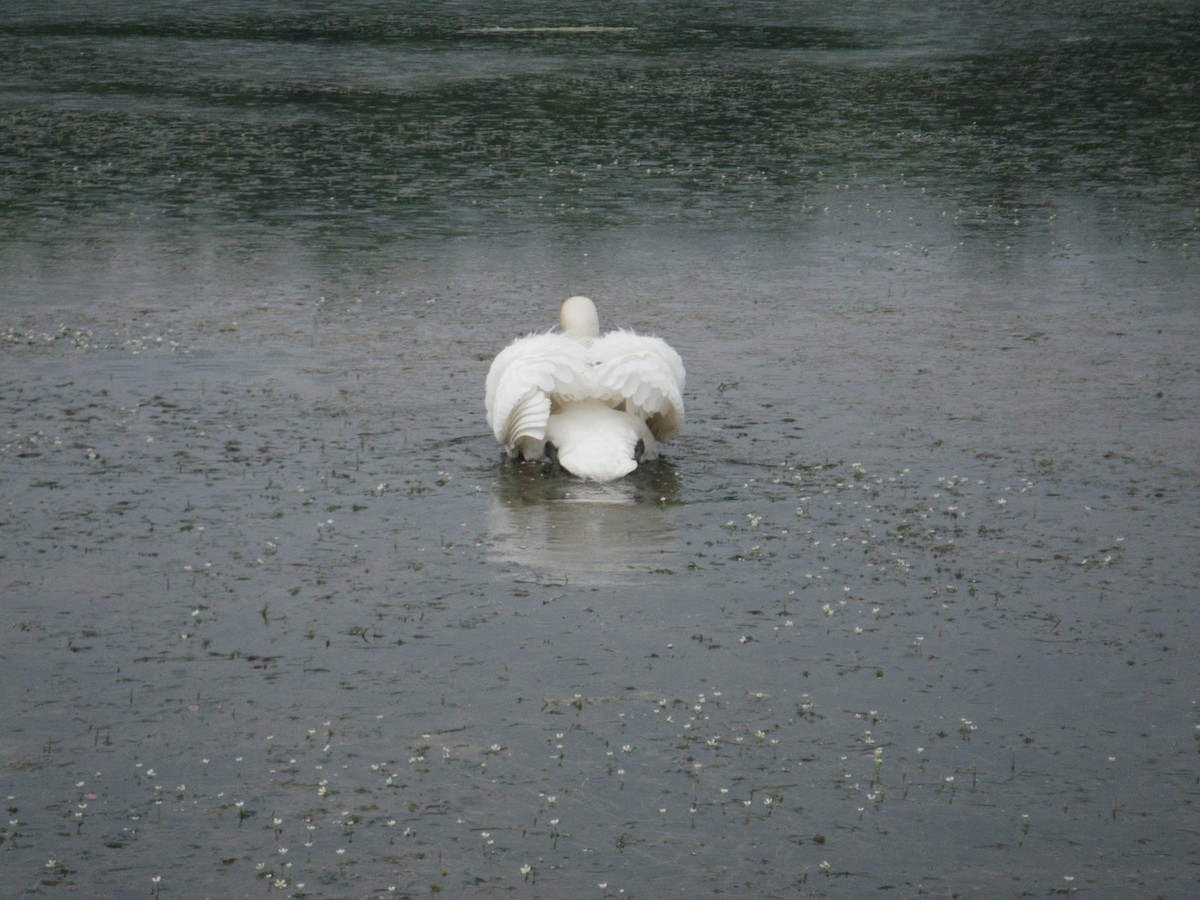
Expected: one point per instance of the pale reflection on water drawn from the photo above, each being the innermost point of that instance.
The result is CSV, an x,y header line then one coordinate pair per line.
x,y
580,532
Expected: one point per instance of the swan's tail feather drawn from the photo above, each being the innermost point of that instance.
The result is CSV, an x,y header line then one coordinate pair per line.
x,y
595,442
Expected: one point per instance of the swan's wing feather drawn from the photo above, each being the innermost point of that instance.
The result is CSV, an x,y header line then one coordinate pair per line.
x,y
527,422
645,374
524,379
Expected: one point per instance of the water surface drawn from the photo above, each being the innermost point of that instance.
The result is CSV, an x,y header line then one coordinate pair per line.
x,y
908,607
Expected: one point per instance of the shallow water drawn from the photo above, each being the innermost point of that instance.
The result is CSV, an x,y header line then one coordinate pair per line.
x,y
909,605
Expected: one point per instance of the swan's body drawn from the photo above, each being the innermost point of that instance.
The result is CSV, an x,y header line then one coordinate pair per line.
x,y
596,405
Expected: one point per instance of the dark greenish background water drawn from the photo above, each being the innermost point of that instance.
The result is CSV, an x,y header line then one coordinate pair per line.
x,y
909,607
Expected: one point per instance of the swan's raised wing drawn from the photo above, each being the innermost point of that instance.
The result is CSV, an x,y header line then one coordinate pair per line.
x,y
525,376
643,373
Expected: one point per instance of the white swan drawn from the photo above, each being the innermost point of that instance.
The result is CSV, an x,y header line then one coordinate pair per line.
x,y
595,405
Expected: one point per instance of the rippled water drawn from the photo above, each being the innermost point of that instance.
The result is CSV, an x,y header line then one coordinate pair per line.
x,y
910,605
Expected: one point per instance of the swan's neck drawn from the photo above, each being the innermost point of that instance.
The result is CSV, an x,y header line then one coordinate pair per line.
x,y
579,318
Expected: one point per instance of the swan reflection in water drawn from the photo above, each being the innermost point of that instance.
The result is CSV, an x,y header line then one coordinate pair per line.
x,y
584,532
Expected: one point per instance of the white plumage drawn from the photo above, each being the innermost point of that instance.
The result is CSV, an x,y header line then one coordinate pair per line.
x,y
596,405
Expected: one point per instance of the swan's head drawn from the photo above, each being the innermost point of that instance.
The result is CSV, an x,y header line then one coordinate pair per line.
x,y
579,319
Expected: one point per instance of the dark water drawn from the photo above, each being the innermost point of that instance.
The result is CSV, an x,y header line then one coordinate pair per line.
x,y
909,608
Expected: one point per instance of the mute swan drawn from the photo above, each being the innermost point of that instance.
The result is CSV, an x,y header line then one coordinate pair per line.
x,y
595,405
